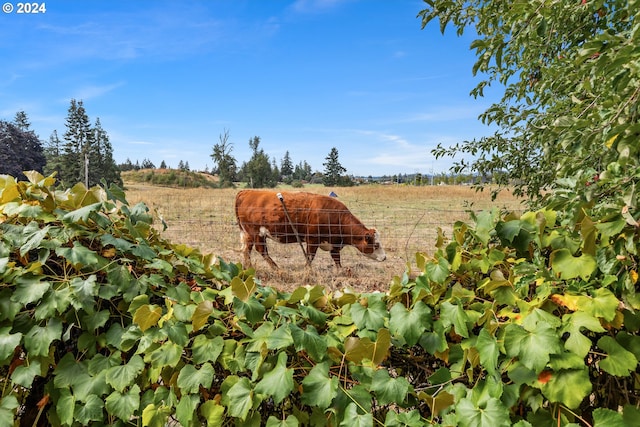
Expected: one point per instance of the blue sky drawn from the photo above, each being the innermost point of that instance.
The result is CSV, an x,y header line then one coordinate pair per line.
x,y
166,78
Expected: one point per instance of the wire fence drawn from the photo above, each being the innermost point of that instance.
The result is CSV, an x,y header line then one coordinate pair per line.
x,y
402,231
406,219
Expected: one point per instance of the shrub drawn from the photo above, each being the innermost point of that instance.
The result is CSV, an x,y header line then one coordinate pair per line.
x,y
516,320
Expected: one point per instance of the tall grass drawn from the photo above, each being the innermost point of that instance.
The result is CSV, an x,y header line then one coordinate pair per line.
x,y
407,218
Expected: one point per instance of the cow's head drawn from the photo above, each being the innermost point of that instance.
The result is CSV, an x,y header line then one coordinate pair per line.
x,y
369,245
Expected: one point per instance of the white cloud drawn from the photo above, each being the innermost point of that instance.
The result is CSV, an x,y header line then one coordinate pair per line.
x,y
95,91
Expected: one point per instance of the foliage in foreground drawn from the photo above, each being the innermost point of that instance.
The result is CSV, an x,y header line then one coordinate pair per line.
x,y
517,320
570,82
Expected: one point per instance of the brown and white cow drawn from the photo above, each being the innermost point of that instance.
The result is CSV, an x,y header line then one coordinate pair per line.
x,y
319,221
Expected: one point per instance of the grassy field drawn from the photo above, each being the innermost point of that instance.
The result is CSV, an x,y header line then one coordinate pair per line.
x,y
407,218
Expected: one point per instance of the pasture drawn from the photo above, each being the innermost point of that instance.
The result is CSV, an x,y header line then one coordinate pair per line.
x,y
406,217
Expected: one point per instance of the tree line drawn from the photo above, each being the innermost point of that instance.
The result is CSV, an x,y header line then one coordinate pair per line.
x,y
262,171
84,154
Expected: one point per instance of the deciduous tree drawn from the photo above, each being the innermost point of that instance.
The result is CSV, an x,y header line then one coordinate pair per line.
x,y
571,89
225,163
20,150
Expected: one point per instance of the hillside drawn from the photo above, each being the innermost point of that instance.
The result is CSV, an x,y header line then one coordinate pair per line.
x,y
170,178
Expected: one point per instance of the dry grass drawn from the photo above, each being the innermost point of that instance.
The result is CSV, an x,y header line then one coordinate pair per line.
x,y
406,217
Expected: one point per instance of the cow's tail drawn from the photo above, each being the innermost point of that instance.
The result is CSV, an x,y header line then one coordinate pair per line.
x,y
242,231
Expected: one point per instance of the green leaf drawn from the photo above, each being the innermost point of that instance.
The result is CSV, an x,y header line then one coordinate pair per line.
x,y
168,354
404,419
603,417
567,267
310,341
90,410
354,419
29,289
65,406
493,414
190,379
280,338
38,340
508,230
240,398
84,292
260,336
488,350
319,388
484,226
290,421
68,371
619,361
252,309
205,349
8,405
602,304
278,382
155,415
8,307
122,376
8,342
453,314
389,390
82,214
568,387
23,375
34,236
573,323
186,409
370,313
79,256
213,413
437,272
532,347
409,324
123,405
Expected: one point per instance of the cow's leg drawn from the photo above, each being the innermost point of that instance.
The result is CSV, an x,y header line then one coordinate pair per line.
x,y
247,245
312,248
335,254
261,247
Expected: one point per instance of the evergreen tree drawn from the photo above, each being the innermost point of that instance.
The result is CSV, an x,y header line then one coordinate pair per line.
x,y
286,167
333,170
86,154
104,166
275,172
20,150
163,165
78,140
148,164
303,171
22,121
126,166
53,155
